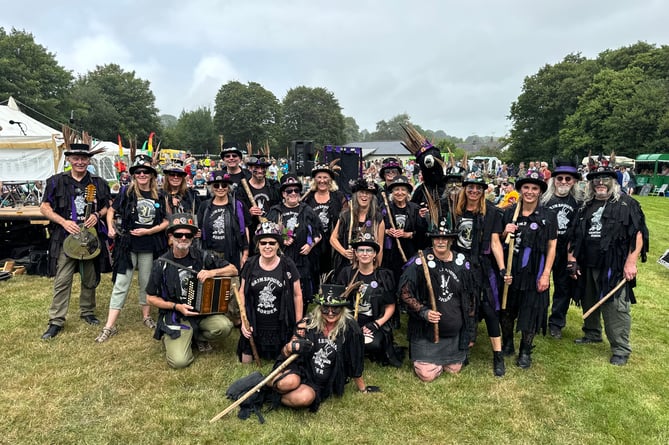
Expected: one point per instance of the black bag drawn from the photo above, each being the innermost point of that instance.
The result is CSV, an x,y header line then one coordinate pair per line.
x,y
38,263
254,403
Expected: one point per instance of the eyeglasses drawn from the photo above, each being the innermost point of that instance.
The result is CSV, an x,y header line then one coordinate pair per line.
x,y
605,180
254,160
180,235
230,155
219,185
175,174
292,191
142,172
564,178
268,243
504,184
364,250
474,188
330,310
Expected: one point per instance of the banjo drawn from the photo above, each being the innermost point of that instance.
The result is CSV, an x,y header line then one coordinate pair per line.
x,y
84,245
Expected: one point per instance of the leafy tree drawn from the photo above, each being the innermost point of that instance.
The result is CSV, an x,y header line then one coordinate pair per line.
x,y
313,114
168,121
547,98
247,113
112,101
351,130
392,130
195,132
33,76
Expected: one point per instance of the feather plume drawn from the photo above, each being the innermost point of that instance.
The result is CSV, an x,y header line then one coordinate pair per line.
x,y
465,162
612,159
433,209
267,151
414,141
155,158
249,148
350,288
133,148
325,277
334,167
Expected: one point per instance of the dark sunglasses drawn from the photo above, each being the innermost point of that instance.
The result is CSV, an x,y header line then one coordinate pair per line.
x,y
268,243
564,178
291,191
183,235
255,160
179,175
330,310
231,155
219,185
505,184
142,172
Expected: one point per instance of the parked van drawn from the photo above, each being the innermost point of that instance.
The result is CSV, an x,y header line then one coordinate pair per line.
x,y
652,169
489,164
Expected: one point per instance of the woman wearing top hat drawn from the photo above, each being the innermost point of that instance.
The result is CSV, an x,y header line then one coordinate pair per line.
x,y
179,198
478,224
362,219
327,202
330,345
271,296
528,279
302,232
373,302
444,348
137,221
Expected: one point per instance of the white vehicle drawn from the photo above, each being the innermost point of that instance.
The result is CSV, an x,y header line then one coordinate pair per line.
x,y
488,164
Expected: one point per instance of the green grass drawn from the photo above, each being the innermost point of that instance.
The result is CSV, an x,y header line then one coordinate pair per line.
x,y
72,390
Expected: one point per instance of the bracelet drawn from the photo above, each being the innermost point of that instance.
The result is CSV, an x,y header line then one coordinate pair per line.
x,y
174,306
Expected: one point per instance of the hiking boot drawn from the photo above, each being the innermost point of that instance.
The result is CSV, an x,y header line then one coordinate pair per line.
x,y
204,347
52,331
507,347
498,363
90,319
587,340
556,332
105,334
618,360
524,356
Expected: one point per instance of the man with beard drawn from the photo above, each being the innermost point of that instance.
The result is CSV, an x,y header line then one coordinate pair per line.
x,y
609,237
560,197
178,323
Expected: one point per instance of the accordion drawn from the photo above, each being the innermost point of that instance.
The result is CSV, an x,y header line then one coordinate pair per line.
x,y
209,297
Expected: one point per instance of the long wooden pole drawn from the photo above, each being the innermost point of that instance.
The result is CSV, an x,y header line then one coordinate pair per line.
x,y
392,224
252,391
245,320
511,241
603,299
433,301
252,200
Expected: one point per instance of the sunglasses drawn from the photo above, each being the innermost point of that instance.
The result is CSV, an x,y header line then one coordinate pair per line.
x,y
142,172
176,175
602,180
219,185
230,155
474,188
180,235
254,160
564,178
330,310
505,184
363,250
292,191
268,243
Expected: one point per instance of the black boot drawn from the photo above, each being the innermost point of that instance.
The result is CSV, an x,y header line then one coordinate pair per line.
x,y
498,363
507,345
524,356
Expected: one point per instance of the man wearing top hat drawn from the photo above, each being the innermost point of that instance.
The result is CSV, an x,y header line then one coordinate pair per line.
x,y
179,325
609,237
64,204
562,198
265,192
232,158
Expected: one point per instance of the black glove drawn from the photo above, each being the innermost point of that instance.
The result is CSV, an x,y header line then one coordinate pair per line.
x,y
372,326
301,346
573,268
370,388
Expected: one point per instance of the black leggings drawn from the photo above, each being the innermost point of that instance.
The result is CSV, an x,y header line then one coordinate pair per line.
x,y
491,317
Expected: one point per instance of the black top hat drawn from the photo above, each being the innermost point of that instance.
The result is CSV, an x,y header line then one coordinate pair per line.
x,y
142,161
79,149
365,184
290,180
331,169
443,230
269,229
366,239
219,176
331,295
400,181
602,171
174,168
390,163
230,147
474,178
564,166
533,178
181,221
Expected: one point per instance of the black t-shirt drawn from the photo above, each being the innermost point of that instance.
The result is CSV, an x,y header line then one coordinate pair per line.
x,y
448,301
262,197
321,210
593,237
266,288
154,285
216,226
144,218
323,357
465,226
401,215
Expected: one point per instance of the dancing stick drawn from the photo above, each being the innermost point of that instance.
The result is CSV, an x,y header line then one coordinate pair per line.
x,y
606,297
511,241
245,320
252,200
433,301
392,224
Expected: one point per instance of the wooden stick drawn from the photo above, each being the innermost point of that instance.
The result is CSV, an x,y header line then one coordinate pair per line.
x,y
252,200
252,391
392,224
433,301
606,297
245,320
511,241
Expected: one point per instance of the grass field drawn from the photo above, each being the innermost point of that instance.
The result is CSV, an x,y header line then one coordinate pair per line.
x,y
73,390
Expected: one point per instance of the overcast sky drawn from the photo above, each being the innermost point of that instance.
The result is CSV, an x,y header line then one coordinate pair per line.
x,y
452,66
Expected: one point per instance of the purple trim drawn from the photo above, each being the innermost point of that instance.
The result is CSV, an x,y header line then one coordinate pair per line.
x,y
541,266
492,278
526,257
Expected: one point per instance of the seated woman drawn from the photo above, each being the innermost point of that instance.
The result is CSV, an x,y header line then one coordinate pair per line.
x,y
373,303
330,345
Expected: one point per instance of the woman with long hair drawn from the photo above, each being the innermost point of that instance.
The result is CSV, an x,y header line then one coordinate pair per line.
x,y
330,345
136,221
362,220
373,303
271,296
478,224
179,198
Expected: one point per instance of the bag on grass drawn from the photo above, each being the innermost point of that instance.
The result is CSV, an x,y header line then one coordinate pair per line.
x,y
254,403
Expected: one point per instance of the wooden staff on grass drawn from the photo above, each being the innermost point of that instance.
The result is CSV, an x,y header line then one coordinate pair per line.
x,y
511,242
245,320
392,224
603,299
433,301
252,200
253,390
